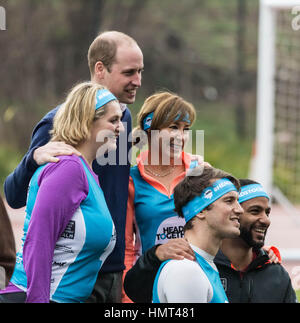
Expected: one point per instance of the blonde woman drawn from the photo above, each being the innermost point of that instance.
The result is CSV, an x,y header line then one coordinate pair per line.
x,y
68,230
163,123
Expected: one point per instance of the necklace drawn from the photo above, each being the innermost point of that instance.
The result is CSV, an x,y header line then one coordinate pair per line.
x,y
161,174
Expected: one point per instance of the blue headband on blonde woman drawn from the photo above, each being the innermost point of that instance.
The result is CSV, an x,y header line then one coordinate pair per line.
x,y
103,96
207,197
252,191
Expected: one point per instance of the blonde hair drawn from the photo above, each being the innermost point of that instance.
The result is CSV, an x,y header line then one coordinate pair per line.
x,y
167,107
73,121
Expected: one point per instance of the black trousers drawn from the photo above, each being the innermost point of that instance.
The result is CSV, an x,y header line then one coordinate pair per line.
x,y
19,297
107,289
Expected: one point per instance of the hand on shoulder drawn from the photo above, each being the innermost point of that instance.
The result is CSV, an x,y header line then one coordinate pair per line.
x,y
49,152
175,249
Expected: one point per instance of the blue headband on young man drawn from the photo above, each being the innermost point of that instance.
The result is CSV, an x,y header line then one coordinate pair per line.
x,y
252,191
207,197
103,97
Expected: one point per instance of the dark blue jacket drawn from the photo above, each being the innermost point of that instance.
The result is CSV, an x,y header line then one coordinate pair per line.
x,y
113,181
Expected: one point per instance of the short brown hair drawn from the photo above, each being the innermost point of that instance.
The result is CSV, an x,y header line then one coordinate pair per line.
x,y
167,106
193,185
104,48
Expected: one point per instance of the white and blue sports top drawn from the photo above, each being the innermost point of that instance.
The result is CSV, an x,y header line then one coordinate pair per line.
x,y
186,281
68,233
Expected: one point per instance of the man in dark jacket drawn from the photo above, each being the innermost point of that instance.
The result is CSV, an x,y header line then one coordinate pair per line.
x,y
245,270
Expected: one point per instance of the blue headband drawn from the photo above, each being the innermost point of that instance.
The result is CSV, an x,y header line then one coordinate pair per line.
x,y
102,97
207,197
148,120
252,191
185,119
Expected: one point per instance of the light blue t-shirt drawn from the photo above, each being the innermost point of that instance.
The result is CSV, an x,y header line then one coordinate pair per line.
x,y
189,281
83,243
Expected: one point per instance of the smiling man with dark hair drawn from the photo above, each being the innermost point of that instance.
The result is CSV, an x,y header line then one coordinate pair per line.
x,y
246,272
245,269
209,205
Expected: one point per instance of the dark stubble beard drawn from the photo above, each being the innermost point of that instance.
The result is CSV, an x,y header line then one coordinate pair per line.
x,y
246,235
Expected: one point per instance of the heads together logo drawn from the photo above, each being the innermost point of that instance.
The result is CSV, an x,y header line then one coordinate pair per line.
x,y
170,228
2,19
296,19
127,151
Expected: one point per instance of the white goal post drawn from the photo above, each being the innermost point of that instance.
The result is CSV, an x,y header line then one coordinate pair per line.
x,y
263,163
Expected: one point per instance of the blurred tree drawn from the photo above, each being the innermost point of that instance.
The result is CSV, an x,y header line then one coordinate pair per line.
x,y
44,52
240,68
191,48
